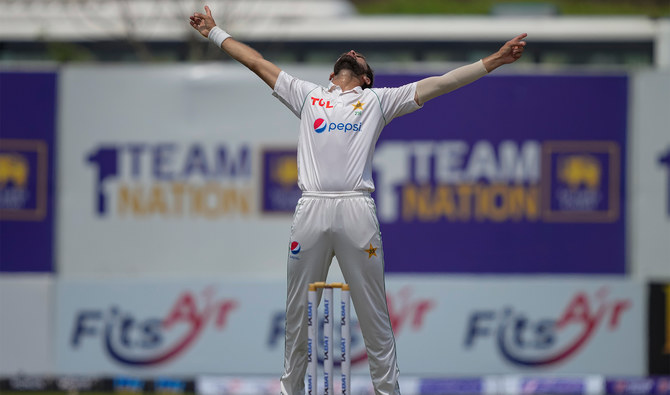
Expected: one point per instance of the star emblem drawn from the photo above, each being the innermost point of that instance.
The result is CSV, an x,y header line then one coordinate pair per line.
x,y
371,251
358,106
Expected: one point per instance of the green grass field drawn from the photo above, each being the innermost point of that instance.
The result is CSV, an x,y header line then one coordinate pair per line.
x,y
652,8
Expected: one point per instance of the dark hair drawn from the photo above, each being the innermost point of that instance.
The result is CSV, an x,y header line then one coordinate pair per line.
x,y
371,75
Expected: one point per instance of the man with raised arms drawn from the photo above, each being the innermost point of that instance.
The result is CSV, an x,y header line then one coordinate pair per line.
x,y
339,127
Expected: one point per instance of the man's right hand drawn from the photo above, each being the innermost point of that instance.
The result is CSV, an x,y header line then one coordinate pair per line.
x,y
203,23
237,50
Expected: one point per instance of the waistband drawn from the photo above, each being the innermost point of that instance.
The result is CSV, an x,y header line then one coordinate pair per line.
x,y
334,195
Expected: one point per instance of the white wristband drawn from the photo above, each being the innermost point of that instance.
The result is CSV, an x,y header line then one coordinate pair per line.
x,y
217,36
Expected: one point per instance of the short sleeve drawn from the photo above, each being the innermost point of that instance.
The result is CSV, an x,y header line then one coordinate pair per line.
x,y
292,92
397,101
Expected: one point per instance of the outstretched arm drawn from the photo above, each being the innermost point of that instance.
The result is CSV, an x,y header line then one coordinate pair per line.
x,y
254,61
432,87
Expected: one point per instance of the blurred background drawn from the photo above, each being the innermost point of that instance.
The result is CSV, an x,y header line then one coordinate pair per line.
x,y
148,182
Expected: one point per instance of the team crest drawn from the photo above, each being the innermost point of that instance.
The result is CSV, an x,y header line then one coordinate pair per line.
x,y
280,191
372,251
358,108
583,181
23,179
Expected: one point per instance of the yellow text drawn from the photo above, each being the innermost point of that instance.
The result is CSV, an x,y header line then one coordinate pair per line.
x,y
210,200
468,202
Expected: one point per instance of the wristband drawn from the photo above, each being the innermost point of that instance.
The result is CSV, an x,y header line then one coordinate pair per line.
x,y
217,36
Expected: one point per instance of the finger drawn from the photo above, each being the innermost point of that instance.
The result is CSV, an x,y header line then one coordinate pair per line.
x,y
517,48
209,12
520,37
199,15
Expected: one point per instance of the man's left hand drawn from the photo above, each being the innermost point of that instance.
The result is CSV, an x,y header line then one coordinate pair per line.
x,y
512,50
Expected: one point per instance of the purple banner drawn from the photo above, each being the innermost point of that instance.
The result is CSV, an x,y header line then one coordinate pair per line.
x,y
555,385
452,386
27,124
638,385
511,174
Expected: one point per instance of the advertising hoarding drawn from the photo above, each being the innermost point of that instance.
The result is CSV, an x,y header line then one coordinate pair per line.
x,y
443,326
649,185
27,332
27,137
162,168
511,174
172,165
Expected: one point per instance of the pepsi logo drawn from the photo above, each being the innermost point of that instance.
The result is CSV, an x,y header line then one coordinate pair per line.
x,y
320,125
295,247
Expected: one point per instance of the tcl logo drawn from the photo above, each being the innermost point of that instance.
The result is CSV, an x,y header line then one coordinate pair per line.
x,y
320,102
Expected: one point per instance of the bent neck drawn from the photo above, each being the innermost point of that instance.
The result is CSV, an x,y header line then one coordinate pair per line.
x,y
347,80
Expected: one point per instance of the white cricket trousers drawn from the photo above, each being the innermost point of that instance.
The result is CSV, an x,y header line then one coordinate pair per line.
x,y
328,224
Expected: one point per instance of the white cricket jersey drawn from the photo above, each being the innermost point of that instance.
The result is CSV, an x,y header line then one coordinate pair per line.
x,y
339,130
